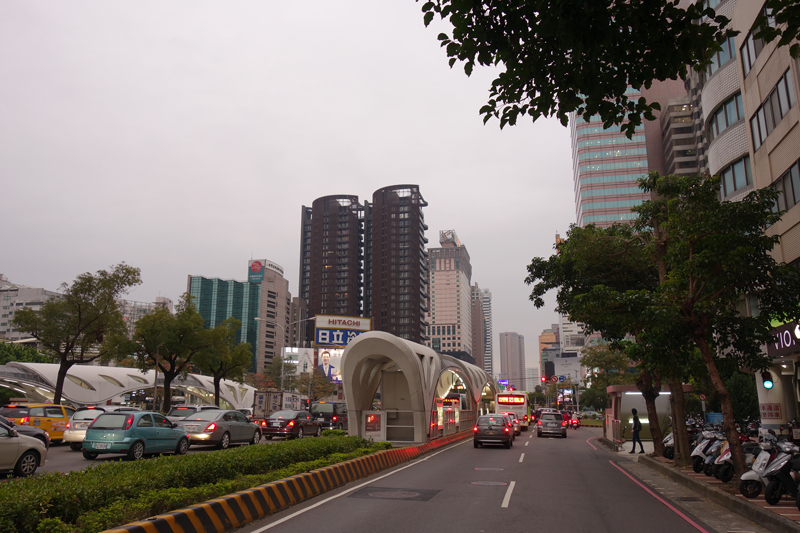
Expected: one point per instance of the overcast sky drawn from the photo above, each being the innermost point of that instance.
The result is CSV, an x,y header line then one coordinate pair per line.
x,y
184,137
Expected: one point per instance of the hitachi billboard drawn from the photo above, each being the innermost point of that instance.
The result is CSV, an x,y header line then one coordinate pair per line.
x,y
339,330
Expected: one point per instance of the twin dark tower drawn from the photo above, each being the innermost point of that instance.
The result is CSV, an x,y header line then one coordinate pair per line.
x,y
368,260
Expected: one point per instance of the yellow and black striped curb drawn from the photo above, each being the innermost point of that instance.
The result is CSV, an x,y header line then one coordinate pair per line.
x,y
236,510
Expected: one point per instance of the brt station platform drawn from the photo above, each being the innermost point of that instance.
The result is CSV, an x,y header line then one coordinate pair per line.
x,y
424,395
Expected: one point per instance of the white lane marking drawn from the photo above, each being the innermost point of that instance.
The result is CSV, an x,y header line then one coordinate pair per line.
x,y
508,493
326,500
521,457
527,443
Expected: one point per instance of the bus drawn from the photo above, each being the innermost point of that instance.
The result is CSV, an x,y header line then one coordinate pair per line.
x,y
514,401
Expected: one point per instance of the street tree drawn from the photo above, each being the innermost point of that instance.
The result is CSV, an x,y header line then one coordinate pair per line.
x,y
77,325
607,365
282,373
168,342
23,354
260,381
560,56
315,384
225,357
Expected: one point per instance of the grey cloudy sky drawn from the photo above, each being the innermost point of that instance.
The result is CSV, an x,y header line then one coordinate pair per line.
x,y
184,137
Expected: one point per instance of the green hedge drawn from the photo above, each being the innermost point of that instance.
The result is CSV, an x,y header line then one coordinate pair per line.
x,y
110,494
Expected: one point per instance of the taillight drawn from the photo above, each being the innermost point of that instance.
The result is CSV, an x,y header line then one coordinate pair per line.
x,y
290,424
67,425
475,429
211,427
539,423
128,422
506,429
564,423
334,419
525,418
263,423
24,420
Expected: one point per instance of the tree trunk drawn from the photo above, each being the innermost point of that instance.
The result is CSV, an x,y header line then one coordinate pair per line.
x,y
63,368
728,422
678,401
167,393
650,388
217,379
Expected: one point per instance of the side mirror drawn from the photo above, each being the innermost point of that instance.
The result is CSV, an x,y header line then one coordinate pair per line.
x,y
174,425
13,432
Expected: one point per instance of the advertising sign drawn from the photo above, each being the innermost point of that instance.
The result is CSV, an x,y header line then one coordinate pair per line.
x,y
785,340
338,331
329,362
255,271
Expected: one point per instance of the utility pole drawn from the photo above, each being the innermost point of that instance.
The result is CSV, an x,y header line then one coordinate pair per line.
x,y
577,396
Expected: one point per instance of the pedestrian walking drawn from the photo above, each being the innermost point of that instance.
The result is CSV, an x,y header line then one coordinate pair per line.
x,y
637,427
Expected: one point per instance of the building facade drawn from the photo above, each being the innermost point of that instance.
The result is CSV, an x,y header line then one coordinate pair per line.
x,y
488,346
478,328
512,359
262,304
450,309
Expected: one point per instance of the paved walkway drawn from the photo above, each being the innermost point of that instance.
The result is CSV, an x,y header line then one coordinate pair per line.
x,y
786,508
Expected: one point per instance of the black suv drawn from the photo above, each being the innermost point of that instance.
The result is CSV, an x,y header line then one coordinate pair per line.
x,y
332,415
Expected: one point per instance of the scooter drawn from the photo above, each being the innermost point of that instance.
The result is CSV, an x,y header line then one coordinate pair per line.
x,y
700,451
781,474
574,423
723,466
669,446
752,481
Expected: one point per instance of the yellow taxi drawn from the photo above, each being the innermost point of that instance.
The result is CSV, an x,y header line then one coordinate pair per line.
x,y
50,417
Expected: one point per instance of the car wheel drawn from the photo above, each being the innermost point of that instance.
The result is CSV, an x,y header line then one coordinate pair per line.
x,y
475,444
507,444
90,455
75,446
26,465
538,435
319,432
137,451
300,433
183,446
256,437
224,442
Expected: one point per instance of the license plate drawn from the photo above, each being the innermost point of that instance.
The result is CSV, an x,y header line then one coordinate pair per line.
x,y
321,419
275,424
81,425
490,432
552,425
100,446
761,462
191,429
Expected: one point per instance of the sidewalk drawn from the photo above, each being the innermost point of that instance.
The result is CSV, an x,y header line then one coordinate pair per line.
x,y
782,517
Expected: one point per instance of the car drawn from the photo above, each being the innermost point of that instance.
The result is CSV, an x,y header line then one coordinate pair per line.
x,y
493,429
179,412
20,453
290,423
551,423
332,415
248,412
83,416
134,435
514,420
220,427
28,431
50,417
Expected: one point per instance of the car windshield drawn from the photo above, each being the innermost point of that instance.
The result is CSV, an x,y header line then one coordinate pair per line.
x,y
322,408
491,421
14,412
283,414
208,414
181,411
86,414
110,421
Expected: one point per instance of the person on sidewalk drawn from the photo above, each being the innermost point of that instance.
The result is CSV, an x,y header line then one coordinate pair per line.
x,y
637,427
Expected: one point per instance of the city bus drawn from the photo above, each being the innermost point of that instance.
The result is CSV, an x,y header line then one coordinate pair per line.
x,y
514,401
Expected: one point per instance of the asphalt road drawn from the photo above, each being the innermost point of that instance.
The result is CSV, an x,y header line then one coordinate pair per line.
x,y
539,484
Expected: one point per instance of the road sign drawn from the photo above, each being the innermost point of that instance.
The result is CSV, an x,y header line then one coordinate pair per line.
x,y
562,379
702,397
554,379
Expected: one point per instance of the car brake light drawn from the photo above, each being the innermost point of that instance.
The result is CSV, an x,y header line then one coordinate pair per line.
x,y
211,427
506,429
24,421
128,422
334,419
525,418
67,425
539,423
475,428
290,424
564,423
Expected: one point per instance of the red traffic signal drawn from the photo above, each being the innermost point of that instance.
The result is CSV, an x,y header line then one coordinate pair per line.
x,y
544,379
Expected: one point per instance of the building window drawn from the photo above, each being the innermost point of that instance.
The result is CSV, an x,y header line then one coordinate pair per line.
x,y
752,46
789,185
774,108
735,177
725,115
721,58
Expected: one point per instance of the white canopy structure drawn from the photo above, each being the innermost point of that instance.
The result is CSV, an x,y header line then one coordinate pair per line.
x,y
413,381
98,385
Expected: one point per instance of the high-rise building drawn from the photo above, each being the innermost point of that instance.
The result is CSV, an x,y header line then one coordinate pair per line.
x,y
548,341
262,304
512,359
398,262
450,313
478,328
531,378
488,354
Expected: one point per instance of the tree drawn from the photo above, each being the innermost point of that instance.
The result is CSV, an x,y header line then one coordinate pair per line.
x,y
260,381
607,366
315,384
76,325
24,354
279,367
562,56
225,357
168,342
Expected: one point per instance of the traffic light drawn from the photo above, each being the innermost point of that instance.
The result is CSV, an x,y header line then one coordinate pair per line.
x,y
544,379
766,377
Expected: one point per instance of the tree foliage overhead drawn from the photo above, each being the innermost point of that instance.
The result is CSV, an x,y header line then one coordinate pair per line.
x,y
77,325
560,56
24,354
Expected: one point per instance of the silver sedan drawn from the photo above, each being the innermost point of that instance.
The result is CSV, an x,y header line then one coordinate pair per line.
x,y
220,427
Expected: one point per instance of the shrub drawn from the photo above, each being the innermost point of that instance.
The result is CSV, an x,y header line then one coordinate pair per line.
x,y
334,433
110,494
